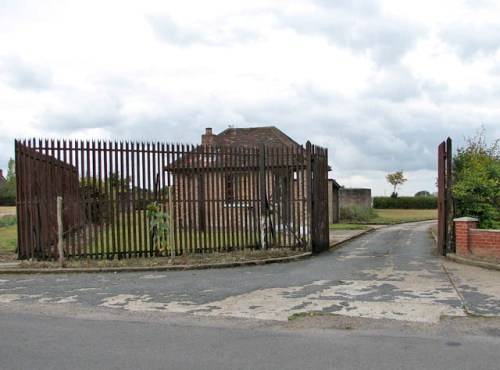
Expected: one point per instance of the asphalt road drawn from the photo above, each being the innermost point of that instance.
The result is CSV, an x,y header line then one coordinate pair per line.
x,y
386,301
390,273
34,341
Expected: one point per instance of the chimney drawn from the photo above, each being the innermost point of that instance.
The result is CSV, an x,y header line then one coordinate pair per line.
x,y
208,139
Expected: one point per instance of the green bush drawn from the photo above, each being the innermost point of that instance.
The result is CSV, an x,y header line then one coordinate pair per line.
x,y
405,203
476,181
7,200
6,221
355,213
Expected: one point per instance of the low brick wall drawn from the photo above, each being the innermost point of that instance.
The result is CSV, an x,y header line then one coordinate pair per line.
x,y
472,242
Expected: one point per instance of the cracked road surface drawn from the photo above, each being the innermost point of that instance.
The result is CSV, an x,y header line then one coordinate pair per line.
x,y
391,273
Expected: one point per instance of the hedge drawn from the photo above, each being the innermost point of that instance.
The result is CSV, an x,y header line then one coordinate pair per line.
x,y
7,200
405,203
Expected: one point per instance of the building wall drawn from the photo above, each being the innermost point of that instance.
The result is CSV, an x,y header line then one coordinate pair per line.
x,y
333,202
359,197
201,204
2,178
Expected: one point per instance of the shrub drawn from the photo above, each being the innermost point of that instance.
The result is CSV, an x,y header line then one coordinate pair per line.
x,y
6,221
355,213
7,200
405,202
476,181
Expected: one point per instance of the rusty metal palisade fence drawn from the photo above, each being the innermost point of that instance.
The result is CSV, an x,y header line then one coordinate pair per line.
x,y
213,199
445,227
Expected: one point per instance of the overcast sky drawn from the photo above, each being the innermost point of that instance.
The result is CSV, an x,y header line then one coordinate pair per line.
x,y
379,83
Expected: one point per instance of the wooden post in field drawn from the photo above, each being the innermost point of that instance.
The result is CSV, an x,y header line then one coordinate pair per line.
x,y
60,231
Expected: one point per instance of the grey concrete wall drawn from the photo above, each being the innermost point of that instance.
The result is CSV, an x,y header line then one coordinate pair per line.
x,y
360,197
333,202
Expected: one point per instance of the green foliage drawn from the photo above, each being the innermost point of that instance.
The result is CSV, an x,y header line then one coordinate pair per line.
x,y
6,199
423,193
159,225
8,191
96,203
7,221
396,179
355,213
476,181
405,202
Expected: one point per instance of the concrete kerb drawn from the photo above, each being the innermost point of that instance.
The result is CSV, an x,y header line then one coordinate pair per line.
x,y
12,271
472,262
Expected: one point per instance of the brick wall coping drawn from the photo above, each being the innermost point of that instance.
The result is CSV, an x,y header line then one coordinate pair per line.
x,y
466,219
489,230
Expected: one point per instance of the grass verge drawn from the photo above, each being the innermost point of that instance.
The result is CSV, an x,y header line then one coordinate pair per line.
x,y
345,226
8,239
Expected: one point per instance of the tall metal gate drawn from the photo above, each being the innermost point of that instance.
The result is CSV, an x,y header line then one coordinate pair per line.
x,y
211,199
319,197
445,200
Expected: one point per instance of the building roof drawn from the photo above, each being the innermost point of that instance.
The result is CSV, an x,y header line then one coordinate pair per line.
x,y
237,148
252,137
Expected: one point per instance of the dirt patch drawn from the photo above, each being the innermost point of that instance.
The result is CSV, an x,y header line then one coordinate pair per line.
x,y
8,257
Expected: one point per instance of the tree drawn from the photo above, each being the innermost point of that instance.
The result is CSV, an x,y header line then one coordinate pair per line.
x,y
422,193
396,179
476,181
8,191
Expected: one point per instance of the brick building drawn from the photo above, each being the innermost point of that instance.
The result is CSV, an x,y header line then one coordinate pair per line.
x,y
3,180
239,175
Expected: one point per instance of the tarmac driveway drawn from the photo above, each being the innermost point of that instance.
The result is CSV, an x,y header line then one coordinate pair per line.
x,y
389,273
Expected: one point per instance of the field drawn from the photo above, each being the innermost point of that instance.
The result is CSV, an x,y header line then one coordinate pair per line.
x,y
7,210
403,215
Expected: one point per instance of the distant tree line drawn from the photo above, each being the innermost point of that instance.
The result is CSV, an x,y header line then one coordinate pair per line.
x,y
8,190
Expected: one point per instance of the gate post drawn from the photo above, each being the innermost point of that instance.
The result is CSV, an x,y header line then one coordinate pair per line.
x,y
445,227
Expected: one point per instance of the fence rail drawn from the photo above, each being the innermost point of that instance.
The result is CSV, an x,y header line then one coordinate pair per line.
x,y
207,198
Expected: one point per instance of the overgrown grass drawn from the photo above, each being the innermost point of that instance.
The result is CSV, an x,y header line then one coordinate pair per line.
x,y
357,214
6,221
8,231
8,239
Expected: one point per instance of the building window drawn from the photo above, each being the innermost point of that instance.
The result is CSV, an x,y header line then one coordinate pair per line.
x,y
236,190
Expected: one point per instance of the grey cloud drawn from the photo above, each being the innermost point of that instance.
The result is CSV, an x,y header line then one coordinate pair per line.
x,y
362,135
25,76
74,110
397,84
471,40
362,29
219,32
